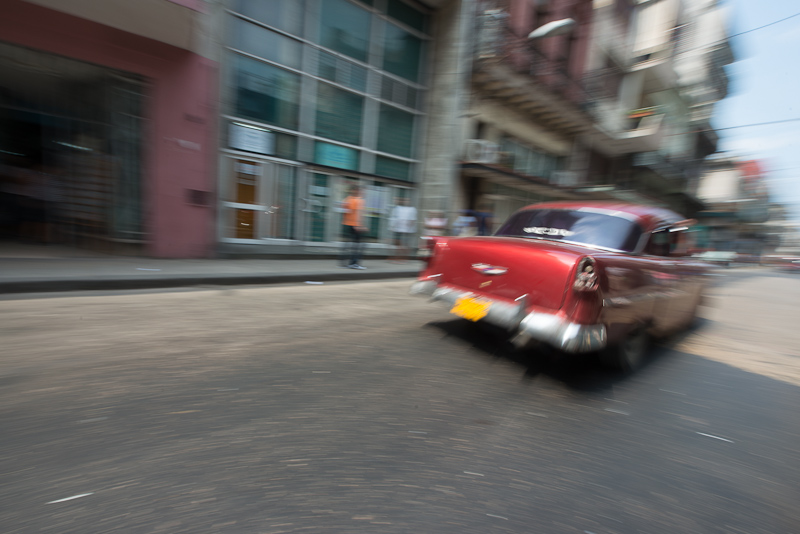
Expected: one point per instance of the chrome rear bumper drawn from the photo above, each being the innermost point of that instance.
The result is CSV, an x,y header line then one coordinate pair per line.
x,y
548,328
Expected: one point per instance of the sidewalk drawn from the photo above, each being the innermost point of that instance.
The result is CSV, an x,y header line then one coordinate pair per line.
x,y
32,269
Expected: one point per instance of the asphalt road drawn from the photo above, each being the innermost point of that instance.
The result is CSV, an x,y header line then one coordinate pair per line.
x,y
353,407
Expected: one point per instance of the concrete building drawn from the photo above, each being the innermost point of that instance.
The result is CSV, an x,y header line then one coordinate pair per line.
x,y
737,210
656,70
108,113
317,95
235,126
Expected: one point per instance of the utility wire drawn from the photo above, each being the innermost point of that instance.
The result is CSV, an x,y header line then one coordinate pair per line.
x,y
764,26
740,126
757,124
726,39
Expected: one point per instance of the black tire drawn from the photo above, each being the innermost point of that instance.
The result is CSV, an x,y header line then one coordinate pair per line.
x,y
628,355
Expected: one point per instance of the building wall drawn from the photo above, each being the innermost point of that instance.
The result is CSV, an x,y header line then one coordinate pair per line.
x,y
447,107
181,112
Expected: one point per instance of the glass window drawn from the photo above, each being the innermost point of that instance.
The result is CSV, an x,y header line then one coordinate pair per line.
x,y
246,175
341,157
577,226
342,72
283,211
406,14
286,15
285,146
259,41
266,93
393,168
395,131
399,92
401,53
339,114
344,27
317,207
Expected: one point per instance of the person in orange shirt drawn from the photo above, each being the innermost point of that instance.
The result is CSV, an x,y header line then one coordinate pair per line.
x,y
353,228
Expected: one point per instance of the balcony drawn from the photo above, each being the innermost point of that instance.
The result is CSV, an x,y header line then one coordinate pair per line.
x,y
644,134
510,68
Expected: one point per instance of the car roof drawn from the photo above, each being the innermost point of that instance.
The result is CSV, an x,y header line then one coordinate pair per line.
x,y
648,217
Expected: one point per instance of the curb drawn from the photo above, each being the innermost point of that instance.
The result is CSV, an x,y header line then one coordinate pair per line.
x,y
162,282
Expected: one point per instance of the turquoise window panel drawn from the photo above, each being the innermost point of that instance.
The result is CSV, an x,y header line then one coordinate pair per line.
x,y
341,157
345,27
286,15
395,131
339,114
254,39
266,93
401,53
407,15
393,168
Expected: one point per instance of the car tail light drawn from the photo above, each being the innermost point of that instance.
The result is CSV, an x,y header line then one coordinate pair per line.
x,y
427,248
586,275
586,302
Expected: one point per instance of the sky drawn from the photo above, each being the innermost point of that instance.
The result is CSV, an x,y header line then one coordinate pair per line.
x,y
765,87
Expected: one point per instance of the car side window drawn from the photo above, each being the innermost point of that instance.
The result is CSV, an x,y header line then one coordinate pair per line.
x,y
666,243
659,244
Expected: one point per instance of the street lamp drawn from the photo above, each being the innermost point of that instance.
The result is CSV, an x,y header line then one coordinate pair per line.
x,y
552,29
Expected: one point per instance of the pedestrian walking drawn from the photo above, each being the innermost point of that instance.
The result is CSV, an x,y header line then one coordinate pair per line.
x,y
485,220
403,223
435,223
353,229
466,225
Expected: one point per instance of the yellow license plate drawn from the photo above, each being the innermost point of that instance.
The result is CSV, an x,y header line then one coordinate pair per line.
x,y
471,308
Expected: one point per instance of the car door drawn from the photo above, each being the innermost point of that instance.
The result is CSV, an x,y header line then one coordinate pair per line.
x,y
668,286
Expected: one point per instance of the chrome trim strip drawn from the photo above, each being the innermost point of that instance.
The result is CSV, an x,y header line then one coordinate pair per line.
x,y
485,268
548,328
564,335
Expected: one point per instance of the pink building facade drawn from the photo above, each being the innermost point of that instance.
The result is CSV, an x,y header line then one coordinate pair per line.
x,y
169,156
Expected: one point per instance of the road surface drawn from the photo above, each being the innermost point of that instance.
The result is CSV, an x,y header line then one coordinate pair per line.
x,y
357,408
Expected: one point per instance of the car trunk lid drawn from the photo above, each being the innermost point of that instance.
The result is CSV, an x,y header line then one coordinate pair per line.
x,y
509,268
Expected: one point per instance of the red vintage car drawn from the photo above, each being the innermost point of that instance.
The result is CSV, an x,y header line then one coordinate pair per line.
x,y
579,276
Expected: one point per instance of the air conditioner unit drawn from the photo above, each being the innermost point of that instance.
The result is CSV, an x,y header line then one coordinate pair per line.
x,y
564,178
480,151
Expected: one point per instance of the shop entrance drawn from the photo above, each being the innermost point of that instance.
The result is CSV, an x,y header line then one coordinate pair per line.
x,y
70,151
260,200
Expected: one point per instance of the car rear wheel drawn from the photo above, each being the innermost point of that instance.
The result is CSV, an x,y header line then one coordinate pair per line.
x,y
629,354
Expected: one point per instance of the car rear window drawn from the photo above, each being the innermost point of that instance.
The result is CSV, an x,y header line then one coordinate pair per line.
x,y
576,226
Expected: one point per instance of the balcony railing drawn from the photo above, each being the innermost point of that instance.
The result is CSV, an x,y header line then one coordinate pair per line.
x,y
498,42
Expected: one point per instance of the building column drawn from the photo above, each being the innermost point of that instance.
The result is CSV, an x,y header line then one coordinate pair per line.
x,y
448,101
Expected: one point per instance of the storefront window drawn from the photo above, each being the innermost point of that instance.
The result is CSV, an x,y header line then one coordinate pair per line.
x,y
266,93
261,42
283,210
286,15
401,53
395,131
345,27
317,207
376,199
339,114
73,133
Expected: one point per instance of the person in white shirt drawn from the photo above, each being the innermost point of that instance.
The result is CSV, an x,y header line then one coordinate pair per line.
x,y
403,223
